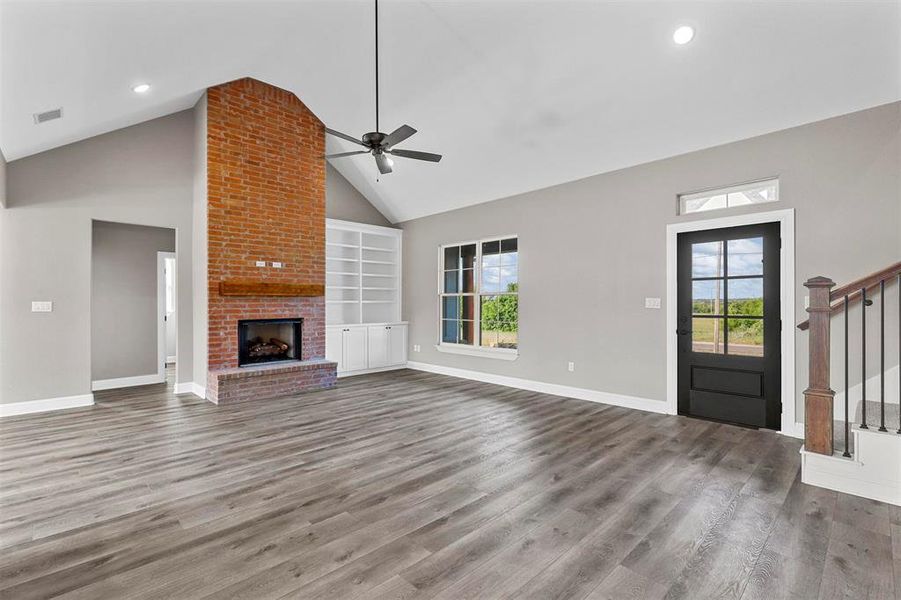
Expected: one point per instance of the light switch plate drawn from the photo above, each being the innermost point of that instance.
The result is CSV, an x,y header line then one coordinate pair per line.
x,y
42,306
652,302
261,263
276,265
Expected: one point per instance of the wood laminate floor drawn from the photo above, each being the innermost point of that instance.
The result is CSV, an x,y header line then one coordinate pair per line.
x,y
411,485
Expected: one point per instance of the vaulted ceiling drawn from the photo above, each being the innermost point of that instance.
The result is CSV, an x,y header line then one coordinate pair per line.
x,y
515,95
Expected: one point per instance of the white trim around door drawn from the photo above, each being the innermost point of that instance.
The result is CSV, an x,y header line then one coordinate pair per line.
x,y
786,220
162,357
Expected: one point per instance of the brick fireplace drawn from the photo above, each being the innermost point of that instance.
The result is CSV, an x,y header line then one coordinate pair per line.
x,y
265,202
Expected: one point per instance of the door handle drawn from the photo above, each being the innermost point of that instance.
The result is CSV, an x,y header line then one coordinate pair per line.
x,y
683,331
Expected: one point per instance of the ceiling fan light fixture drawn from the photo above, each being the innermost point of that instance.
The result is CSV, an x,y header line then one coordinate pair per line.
x,y
377,143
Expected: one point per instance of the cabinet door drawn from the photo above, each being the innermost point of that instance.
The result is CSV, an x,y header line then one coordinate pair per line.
x,y
354,348
378,346
334,346
397,344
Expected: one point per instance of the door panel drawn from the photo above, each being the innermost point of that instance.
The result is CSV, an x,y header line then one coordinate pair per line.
x,y
355,348
729,325
378,346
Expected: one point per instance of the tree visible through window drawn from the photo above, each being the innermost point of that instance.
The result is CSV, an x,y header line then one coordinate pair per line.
x,y
480,294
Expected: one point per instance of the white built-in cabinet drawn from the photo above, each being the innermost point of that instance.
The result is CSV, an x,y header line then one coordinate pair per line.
x,y
363,297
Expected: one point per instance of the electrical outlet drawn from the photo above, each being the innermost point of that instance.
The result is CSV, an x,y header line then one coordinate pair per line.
x,y
42,306
276,265
415,347
261,263
652,302
571,366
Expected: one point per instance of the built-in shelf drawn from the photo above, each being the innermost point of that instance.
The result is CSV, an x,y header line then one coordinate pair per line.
x,y
367,256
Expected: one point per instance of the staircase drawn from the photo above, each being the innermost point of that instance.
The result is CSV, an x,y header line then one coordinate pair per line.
x,y
852,440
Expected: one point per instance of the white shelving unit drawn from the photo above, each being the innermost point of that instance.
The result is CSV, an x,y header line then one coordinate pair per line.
x,y
363,297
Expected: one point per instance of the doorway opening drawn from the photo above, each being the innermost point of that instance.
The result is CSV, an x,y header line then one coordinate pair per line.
x,y
134,296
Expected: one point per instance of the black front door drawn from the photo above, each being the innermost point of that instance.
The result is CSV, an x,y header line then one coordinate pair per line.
x,y
729,325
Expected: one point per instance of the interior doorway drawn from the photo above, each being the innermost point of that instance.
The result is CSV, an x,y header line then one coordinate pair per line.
x,y
168,310
129,300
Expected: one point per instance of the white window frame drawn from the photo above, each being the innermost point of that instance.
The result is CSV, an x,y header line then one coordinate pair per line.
x,y
681,199
475,349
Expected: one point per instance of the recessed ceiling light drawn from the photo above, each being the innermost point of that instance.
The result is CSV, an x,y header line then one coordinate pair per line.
x,y
141,88
683,35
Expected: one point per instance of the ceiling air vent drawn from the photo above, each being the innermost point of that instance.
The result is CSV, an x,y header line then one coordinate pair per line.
x,y
47,115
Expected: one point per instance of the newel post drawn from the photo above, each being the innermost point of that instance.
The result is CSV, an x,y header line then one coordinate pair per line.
x,y
818,396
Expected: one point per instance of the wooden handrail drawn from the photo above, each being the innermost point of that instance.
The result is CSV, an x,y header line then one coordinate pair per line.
x,y
852,290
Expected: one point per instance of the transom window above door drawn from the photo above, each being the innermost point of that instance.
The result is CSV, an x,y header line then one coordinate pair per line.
x,y
479,296
758,192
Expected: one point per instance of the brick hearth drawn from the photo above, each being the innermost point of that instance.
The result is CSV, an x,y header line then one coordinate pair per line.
x,y
266,201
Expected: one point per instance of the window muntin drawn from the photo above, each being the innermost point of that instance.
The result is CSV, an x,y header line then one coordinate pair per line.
x,y
758,192
480,294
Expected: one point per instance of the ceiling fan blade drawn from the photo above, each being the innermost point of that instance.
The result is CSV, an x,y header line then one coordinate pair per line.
x,y
398,135
417,155
344,136
383,163
341,154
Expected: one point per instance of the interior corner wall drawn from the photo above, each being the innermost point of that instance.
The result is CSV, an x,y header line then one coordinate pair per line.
x,y
2,181
141,175
592,250
124,298
199,240
344,202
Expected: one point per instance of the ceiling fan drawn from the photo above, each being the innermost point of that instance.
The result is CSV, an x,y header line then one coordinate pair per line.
x,y
379,144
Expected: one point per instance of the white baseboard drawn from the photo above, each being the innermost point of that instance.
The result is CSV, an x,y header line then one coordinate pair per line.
x,y
377,370
191,388
170,360
123,382
35,406
645,404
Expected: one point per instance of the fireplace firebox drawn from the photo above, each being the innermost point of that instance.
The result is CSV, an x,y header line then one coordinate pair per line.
x,y
268,340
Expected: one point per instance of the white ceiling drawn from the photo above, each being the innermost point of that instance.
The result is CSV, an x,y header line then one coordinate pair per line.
x,y
516,95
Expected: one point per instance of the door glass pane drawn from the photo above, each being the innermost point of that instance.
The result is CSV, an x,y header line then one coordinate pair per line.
x,y
746,297
746,337
708,335
707,259
707,297
745,256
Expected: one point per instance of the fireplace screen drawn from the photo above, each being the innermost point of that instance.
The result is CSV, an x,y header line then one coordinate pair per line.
x,y
268,340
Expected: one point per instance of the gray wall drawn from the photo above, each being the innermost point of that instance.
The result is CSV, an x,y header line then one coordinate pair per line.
x,y
141,175
343,201
124,296
592,250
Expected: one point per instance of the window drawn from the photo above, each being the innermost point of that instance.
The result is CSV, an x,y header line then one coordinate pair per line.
x,y
479,295
740,195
